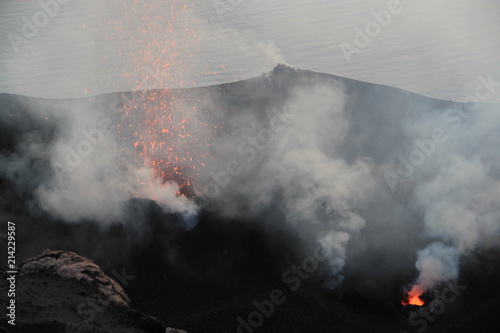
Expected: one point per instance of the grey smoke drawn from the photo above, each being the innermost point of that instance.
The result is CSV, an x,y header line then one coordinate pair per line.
x,y
90,176
298,169
458,193
307,150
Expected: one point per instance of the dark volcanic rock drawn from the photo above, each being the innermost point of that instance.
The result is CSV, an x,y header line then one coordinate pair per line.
x,y
205,279
61,291
70,265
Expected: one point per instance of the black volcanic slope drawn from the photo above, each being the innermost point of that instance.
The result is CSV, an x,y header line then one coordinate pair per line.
x,y
204,279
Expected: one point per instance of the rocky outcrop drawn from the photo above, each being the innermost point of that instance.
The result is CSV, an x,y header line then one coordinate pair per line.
x,y
60,291
69,265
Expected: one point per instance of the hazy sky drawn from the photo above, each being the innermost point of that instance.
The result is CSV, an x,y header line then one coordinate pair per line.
x,y
435,48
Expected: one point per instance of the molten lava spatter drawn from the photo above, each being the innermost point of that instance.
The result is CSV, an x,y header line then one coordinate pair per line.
x,y
170,135
163,130
413,297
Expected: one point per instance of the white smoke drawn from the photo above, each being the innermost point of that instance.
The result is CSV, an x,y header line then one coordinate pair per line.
x,y
91,174
459,194
300,170
299,148
436,263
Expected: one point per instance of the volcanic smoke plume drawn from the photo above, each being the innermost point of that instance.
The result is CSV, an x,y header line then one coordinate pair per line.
x,y
355,168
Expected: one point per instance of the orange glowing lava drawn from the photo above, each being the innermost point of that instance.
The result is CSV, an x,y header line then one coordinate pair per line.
x,y
413,297
163,128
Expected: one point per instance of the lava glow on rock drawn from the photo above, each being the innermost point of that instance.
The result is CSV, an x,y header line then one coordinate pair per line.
x,y
413,296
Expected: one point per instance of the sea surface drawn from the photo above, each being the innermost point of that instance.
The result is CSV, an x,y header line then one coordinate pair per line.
x,y
83,48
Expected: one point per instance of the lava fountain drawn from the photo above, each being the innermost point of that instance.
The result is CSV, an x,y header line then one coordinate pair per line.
x,y
159,130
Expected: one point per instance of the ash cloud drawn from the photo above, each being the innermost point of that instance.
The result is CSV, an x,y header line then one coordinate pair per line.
x,y
458,194
84,172
293,150
289,159
325,173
